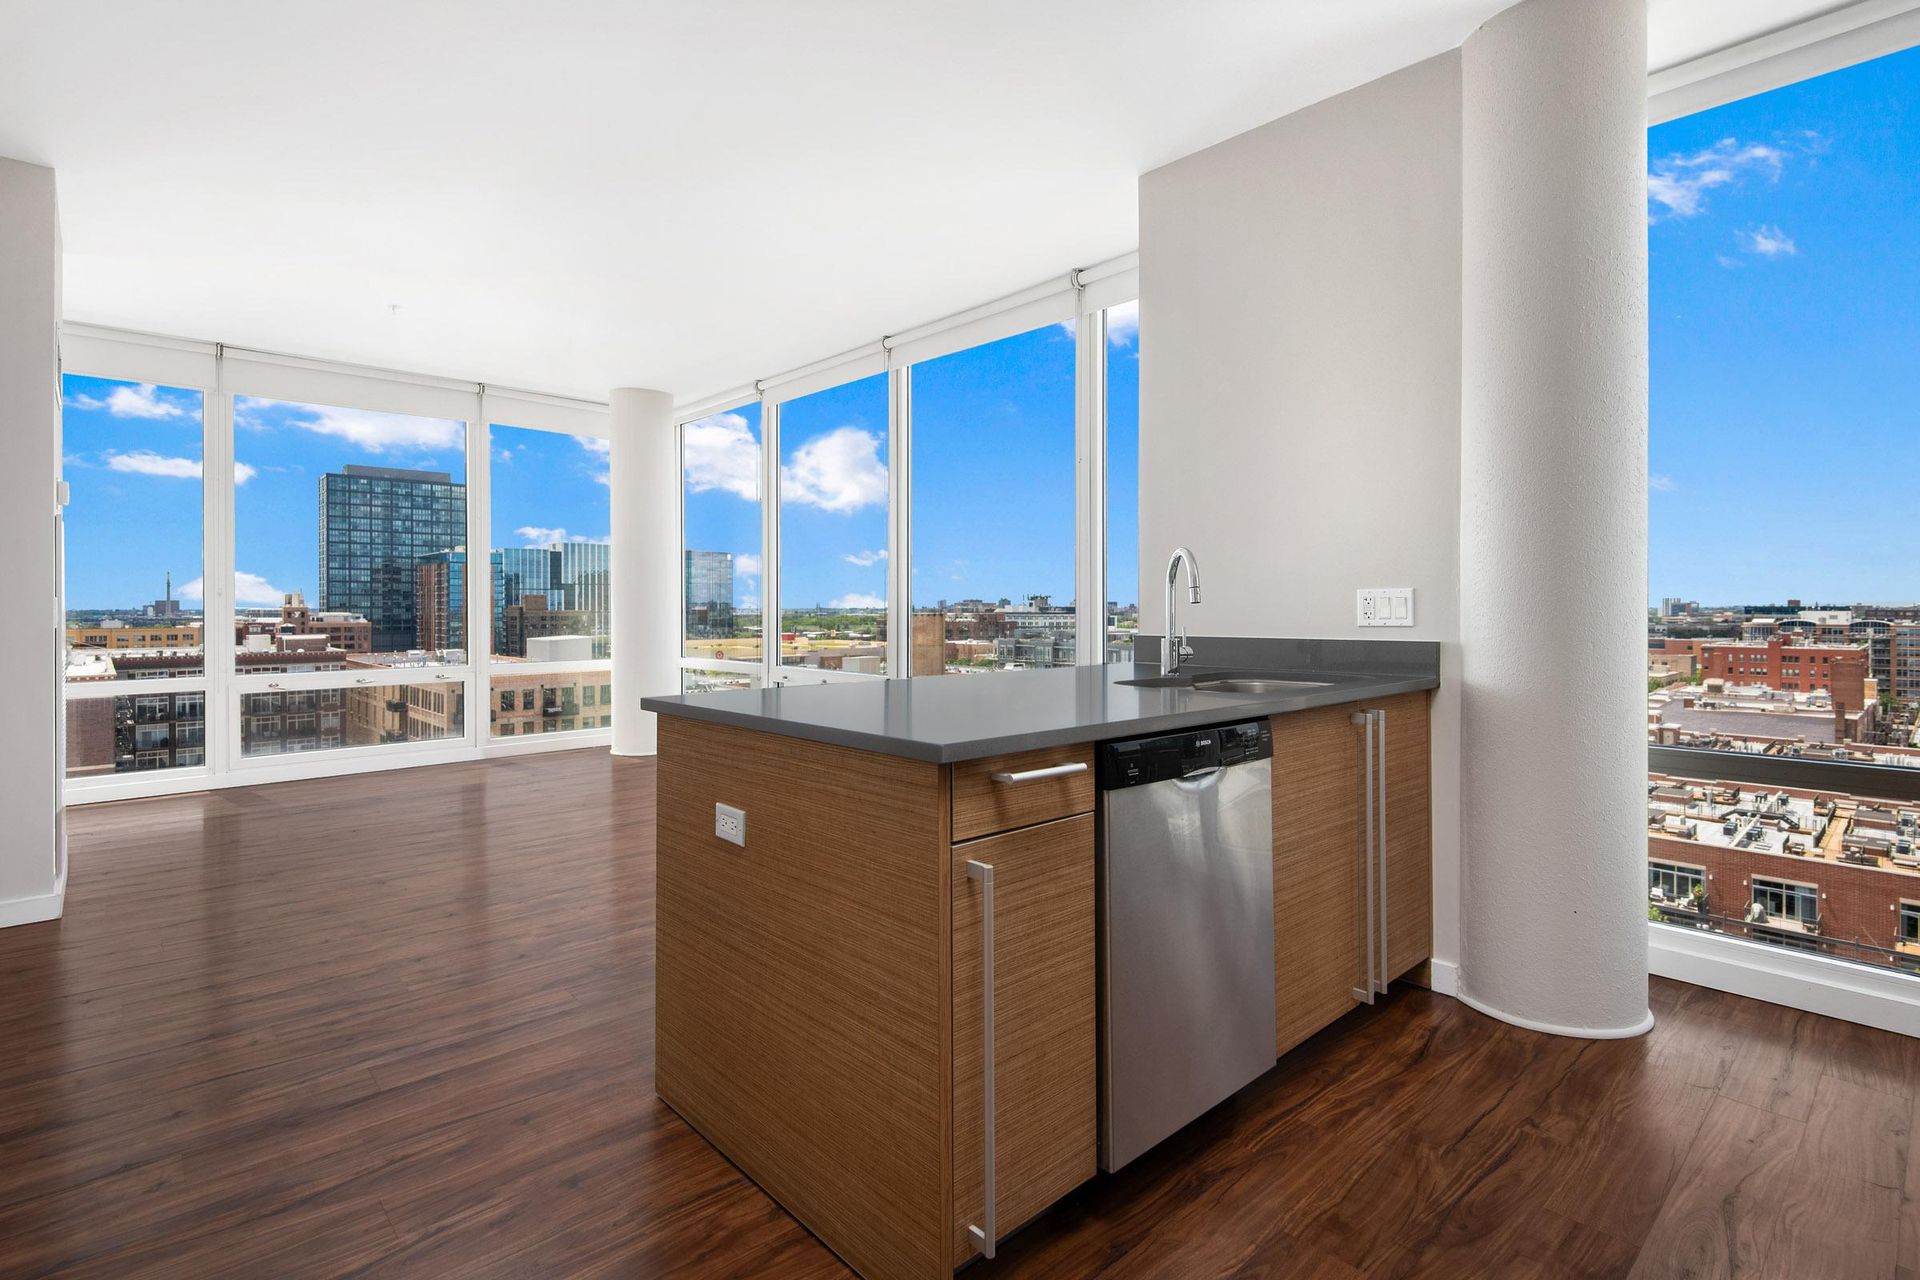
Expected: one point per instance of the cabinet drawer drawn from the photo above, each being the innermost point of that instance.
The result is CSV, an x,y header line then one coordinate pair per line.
x,y
984,803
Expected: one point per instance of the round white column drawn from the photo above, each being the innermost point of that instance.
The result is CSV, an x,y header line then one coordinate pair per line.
x,y
1553,515
644,473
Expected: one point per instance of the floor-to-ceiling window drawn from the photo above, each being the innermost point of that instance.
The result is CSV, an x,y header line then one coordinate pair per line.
x,y
350,532
347,541
550,581
135,628
721,548
1122,403
1003,535
993,505
1783,665
833,529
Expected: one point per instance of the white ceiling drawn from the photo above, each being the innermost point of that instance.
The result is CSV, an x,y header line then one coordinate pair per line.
x,y
596,193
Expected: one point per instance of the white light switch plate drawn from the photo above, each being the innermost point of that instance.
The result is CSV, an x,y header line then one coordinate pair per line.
x,y
1383,607
730,824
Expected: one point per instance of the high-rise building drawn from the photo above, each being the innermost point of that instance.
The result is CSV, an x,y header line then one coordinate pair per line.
x,y
586,580
440,600
528,571
708,591
375,524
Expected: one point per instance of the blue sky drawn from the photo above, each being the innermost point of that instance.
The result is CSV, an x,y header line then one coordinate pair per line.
x,y
993,479
1785,343
133,459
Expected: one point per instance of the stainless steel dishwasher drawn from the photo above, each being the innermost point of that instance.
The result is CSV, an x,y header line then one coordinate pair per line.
x,y
1185,928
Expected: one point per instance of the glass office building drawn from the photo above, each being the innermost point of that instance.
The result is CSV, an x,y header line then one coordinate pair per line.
x,y
376,524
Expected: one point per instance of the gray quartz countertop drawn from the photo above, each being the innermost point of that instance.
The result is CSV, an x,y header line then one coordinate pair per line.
x,y
965,717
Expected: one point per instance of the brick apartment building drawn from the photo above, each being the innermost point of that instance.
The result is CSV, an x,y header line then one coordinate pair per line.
x,y
1841,669
1841,877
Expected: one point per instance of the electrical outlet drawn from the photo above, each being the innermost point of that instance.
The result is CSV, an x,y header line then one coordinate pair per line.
x,y
730,824
1383,607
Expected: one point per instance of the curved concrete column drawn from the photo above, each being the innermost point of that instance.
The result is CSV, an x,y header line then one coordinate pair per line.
x,y
1553,557
644,473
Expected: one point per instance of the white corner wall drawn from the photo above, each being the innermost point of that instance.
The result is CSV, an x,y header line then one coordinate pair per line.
x,y
1553,529
32,864
644,472
1300,385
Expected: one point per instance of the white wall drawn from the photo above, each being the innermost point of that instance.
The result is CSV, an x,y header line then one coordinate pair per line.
x,y
1300,384
32,868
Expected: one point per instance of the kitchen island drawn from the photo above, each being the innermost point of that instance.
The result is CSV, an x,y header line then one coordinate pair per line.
x,y
821,1013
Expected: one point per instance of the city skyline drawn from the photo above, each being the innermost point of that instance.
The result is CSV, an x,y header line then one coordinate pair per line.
x,y
1783,269
132,456
982,528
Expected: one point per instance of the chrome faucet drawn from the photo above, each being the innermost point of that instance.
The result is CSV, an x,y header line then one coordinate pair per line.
x,y
1173,645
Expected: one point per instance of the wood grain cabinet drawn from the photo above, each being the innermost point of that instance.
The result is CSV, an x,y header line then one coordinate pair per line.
x,y
1045,1051
1323,936
820,1009
823,1009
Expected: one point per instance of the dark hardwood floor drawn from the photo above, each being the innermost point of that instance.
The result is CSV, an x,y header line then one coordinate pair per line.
x,y
400,1024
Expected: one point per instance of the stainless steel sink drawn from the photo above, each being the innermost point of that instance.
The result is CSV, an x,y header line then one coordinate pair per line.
x,y
1225,682
1256,684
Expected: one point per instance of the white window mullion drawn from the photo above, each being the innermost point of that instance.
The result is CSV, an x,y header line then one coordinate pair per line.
x,y
218,558
769,541
900,523
479,570
1090,492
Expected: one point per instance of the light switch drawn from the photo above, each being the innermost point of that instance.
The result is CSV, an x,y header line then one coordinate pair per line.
x,y
1384,607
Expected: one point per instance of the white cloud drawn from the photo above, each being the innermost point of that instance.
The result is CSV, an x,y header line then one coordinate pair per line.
x,y
721,453
866,558
840,471
1661,483
1767,241
747,566
248,588
600,450
539,536
1679,183
370,431
858,600
1123,324
141,401
143,462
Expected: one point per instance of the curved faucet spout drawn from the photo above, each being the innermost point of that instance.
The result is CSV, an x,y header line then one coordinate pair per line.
x,y
1173,646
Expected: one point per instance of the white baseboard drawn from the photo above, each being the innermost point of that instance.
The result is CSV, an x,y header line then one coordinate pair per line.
x,y
1819,984
46,906
1446,981
1638,1028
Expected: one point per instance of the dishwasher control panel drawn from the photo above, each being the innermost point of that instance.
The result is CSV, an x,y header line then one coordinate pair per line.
x,y
1137,762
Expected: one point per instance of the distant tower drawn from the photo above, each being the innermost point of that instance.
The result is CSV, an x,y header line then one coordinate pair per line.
x,y
168,593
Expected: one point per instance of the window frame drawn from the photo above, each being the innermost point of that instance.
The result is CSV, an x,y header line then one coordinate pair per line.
x,y
219,374
1084,300
1790,973
1674,871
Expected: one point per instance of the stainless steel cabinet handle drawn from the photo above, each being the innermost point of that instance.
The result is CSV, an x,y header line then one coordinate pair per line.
x,y
1051,771
1380,821
983,1237
1364,720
